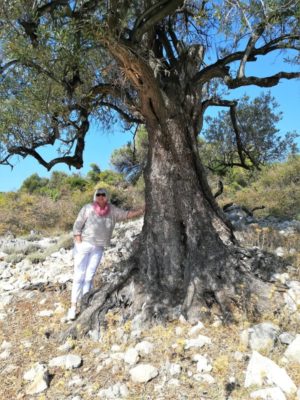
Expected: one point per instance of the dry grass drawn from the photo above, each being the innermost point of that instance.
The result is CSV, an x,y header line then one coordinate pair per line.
x,y
23,325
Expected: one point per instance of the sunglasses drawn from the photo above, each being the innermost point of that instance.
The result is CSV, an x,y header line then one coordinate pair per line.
x,y
100,194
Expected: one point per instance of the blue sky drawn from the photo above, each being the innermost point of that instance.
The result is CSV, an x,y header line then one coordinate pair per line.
x,y
100,144
98,149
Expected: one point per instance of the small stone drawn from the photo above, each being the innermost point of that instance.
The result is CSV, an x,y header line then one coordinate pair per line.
x,y
263,336
261,367
9,369
5,355
280,251
203,364
68,346
39,376
238,356
45,313
143,373
144,347
286,338
179,331
292,353
76,381
196,329
131,356
115,348
204,378
200,341
174,369
273,393
69,361
173,382
6,345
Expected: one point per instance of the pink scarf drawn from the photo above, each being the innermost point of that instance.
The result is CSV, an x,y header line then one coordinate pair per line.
x,y
101,212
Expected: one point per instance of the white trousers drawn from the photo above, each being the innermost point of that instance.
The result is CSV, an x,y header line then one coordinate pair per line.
x,y
87,257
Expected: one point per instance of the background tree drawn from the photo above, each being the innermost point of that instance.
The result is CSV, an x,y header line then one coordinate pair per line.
x,y
93,174
160,63
131,159
34,183
246,138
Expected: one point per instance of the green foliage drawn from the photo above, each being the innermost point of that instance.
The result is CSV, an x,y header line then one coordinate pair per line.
x,y
277,188
131,159
93,174
254,141
111,178
34,184
51,205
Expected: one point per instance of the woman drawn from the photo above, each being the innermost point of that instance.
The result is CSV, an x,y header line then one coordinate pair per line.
x,y
92,231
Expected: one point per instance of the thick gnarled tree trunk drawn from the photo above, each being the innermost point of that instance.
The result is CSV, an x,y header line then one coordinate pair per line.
x,y
182,243
187,260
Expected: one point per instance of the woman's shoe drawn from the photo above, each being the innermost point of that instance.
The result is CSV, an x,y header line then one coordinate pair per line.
x,y
71,314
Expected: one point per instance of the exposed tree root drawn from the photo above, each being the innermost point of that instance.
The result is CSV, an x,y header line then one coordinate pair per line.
x,y
242,287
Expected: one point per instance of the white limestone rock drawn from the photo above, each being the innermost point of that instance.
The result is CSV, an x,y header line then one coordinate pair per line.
x,y
45,313
69,361
67,346
207,378
174,382
6,345
273,393
36,369
286,338
280,251
39,377
200,341
5,354
117,391
143,373
203,365
292,353
131,356
144,347
196,329
292,296
173,368
263,336
262,370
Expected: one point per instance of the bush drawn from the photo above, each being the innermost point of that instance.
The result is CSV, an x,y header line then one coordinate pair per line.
x,y
277,188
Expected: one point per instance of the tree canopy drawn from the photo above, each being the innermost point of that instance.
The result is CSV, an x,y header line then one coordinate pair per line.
x,y
248,138
64,62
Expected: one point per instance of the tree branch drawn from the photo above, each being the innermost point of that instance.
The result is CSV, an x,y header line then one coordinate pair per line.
x,y
7,65
165,42
239,143
262,82
122,113
152,16
220,69
250,46
73,161
218,103
51,6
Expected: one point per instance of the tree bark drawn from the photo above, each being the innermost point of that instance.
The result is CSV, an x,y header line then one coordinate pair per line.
x,y
187,260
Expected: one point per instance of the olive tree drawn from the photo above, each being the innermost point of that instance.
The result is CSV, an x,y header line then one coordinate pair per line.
x,y
163,64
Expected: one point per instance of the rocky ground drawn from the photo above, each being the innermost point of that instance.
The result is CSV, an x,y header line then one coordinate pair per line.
x,y
176,361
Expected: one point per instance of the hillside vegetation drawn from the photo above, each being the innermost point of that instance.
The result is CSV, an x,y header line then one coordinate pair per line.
x,y
50,205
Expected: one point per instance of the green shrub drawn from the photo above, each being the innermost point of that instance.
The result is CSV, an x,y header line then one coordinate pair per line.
x,y
14,258
277,188
37,257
